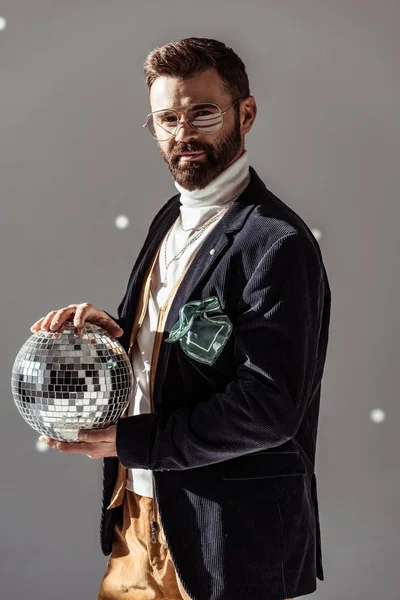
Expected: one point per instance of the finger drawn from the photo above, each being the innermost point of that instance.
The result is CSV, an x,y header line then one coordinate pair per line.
x,y
88,312
83,312
61,316
47,320
37,325
97,435
117,331
44,322
68,447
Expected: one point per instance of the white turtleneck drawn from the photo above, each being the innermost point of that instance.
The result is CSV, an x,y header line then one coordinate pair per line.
x,y
196,208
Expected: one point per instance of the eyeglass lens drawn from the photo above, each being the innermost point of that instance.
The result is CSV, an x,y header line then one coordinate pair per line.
x,y
206,118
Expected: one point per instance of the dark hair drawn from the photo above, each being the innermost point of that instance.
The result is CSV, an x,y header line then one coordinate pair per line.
x,y
191,56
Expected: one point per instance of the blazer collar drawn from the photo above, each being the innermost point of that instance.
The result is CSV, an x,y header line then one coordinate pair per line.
x,y
235,217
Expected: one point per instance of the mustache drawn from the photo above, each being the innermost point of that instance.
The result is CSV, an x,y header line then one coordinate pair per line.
x,y
188,148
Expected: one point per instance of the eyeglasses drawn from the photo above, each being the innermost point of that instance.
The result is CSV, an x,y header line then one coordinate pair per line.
x,y
205,118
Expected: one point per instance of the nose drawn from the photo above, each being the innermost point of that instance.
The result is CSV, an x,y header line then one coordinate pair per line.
x,y
185,131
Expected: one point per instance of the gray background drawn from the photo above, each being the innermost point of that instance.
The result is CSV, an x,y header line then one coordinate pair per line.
x,y
74,156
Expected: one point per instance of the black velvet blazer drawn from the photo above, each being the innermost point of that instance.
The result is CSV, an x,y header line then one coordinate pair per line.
x,y
232,440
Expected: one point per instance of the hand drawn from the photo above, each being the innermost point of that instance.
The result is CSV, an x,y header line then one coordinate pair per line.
x,y
83,312
95,443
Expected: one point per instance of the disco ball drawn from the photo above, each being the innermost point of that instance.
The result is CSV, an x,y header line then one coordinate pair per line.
x,y
71,379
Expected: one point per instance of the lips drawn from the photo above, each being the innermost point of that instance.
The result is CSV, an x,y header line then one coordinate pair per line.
x,y
191,156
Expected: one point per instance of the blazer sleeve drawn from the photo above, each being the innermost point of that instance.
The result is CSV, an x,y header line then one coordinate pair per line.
x,y
276,336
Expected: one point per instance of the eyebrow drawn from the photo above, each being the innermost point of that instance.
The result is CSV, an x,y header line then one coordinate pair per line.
x,y
184,107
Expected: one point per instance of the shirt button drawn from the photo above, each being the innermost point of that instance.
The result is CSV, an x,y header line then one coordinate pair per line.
x,y
212,251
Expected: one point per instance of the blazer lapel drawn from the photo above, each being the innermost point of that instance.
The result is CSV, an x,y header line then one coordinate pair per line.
x,y
144,260
209,252
215,243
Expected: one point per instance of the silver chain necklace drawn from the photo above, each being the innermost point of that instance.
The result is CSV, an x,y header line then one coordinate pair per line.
x,y
200,231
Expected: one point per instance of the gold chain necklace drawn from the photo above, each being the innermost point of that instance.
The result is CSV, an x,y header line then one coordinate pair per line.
x,y
200,231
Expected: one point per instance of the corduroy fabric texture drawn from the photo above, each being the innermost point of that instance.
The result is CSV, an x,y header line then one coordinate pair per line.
x,y
232,444
139,569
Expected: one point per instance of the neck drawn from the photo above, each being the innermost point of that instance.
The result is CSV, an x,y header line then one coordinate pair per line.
x,y
226,187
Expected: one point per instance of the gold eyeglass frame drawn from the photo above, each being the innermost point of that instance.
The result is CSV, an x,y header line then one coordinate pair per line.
x,y
223,113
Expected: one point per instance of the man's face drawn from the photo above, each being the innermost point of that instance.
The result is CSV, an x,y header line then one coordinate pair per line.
x,y
218,149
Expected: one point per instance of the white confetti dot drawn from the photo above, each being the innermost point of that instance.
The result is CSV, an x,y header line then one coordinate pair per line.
x,y
3,23
317,233
41,446
121,222
377,415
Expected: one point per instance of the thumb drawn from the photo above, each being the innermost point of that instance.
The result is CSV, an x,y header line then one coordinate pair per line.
x,y
115,329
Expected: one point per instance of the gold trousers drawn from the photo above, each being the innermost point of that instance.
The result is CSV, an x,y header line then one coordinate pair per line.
x,y
137,568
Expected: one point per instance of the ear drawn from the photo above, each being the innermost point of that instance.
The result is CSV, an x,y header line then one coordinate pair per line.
x,y
248,112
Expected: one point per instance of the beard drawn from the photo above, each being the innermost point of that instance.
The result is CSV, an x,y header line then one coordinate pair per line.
x,y
219,154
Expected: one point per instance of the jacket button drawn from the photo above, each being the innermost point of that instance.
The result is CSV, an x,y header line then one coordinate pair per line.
x,y
212,251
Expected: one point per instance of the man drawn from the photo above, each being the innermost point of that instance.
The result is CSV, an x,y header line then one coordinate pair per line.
x,y
209,483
